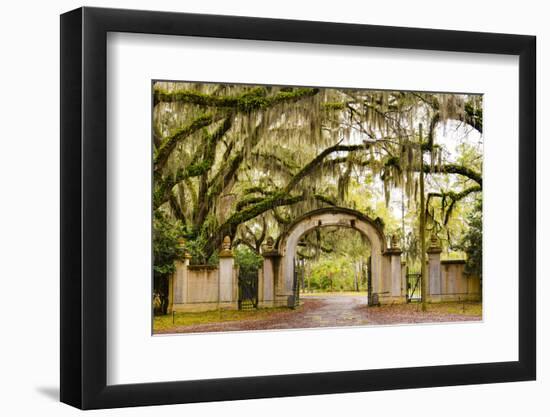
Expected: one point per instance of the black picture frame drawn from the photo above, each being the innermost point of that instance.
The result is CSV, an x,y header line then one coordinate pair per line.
x,y
84,207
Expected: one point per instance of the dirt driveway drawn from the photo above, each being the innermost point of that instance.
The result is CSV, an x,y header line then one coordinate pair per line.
x,y
337,311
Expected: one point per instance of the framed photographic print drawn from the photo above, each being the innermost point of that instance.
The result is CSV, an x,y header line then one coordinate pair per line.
x,y
256,208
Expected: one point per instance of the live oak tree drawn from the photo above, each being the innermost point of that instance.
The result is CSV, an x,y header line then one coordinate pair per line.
x,y
245,161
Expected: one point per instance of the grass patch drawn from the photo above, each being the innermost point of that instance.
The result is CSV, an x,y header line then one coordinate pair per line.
x,y
463,308
168,321
467,308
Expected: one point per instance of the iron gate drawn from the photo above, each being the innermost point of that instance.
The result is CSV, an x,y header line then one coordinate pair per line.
x,y
370,299
414,286
248,288
298,278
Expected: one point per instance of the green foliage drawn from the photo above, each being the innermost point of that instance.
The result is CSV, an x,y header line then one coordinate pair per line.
x,y
472,242
166,250
197,243
248,260
332,274
165,244
334,259
196,248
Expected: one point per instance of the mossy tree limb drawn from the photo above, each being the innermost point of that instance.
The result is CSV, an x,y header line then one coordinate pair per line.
x,y
278,199
255,99
456,169
201,165
444,169
455,197
168,145
311,165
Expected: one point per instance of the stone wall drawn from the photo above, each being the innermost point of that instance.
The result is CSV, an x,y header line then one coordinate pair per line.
x,y
203,284
448,281
456,285
202,287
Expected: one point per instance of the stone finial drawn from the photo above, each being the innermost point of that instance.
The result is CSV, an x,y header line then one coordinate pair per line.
x,y
226,247
434,240
181,243
268,248
435,244
226,243
394,242
394,245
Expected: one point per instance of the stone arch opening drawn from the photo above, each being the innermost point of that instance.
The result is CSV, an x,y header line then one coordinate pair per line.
x,y
333,259
386,272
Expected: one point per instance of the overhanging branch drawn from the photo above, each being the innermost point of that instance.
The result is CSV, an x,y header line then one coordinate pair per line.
x,y
168,145
311,165
254,99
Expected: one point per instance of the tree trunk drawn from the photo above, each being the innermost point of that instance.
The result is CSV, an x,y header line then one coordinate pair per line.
x,y
424,279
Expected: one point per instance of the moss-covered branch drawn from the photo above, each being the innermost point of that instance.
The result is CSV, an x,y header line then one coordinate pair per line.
x,y
277,199
272,160
255,99
326,200
431,130
454,197
245,242
168,144
200,167
457,196
330,163
256,189
247,201
311,165
474,116
228,171
176,208
444,169
455,169
279,218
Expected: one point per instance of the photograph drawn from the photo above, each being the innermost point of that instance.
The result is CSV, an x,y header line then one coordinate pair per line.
x,y
296,207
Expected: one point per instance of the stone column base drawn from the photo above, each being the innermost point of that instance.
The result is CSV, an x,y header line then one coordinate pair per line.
x,y
200,307
266,304
388,300
448,298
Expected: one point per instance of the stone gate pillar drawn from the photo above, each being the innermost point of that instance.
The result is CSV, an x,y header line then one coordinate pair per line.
x,y
394,253
434,269
180,276
268,274
177,285
226,277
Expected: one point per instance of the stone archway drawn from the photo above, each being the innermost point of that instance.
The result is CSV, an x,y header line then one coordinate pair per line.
x,y
387,280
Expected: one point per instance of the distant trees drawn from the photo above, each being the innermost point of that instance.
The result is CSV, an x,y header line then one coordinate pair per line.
x,y
334,259
472,241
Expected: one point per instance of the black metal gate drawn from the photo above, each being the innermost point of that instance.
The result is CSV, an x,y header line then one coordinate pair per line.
x,y
414,286
370,300
248,289
298,278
